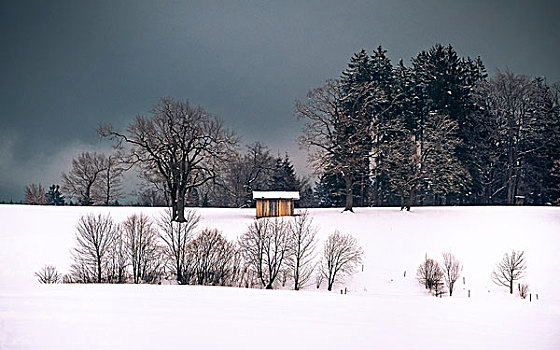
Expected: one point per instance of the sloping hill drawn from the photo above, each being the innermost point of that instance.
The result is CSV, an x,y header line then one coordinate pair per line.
x,y
383,308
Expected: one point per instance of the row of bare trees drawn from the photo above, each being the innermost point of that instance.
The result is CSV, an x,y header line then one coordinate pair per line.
x,y
276,248
435,276
116,253
268,254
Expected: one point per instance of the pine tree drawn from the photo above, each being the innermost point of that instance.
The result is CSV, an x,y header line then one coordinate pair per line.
x,y
330,190
355,126
54,196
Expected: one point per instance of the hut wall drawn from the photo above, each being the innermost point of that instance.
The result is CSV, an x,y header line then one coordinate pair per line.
x,y
274,207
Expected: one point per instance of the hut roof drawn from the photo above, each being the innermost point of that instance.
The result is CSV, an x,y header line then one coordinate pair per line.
x,y
275,195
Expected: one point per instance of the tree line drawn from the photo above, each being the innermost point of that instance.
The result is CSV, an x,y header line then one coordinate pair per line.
x,y
271,253
439,131
436,132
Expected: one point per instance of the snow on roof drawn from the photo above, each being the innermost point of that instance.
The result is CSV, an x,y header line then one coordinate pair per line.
x,y
275,194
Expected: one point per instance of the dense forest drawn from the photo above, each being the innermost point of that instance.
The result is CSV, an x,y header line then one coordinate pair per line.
x,y
439,131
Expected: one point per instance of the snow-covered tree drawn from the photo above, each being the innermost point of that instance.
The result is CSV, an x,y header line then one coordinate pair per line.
x,y
420,161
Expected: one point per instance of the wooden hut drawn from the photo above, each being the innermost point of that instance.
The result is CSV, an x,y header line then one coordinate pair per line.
x,y
275,203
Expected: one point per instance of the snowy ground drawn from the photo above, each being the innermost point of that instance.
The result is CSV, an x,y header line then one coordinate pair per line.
x,y
383,309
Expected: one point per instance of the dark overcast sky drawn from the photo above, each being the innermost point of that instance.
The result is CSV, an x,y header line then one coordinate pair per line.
x,y
66,66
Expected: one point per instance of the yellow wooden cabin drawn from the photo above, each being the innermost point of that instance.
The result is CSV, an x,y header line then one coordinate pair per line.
x,y
275,203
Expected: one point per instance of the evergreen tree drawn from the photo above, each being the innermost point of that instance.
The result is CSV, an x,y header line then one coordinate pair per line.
x,y
355,128
283,177
443,85
54,196
330,190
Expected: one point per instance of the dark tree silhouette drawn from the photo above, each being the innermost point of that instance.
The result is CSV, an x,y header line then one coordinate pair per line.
x,y
179,145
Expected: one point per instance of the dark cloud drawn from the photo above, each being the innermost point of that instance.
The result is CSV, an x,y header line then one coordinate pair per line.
x,y
67,65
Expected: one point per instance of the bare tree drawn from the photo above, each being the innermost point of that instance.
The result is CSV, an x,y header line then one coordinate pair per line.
x,y
108,186
265,246
176,237
86,171
341,125
48,275
94,237
302,249
118,262
248,172
451,271
140,239
510,269
184,145
341,255
213,258
523,131
430,275
322,134
151,196
35,194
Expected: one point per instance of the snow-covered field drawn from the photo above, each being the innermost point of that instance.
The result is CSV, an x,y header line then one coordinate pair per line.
x,y
383,308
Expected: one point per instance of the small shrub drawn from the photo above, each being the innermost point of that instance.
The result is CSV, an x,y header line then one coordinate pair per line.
x,y
523,290
430,275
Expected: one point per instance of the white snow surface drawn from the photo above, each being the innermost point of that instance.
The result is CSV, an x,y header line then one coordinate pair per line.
x,y
382,309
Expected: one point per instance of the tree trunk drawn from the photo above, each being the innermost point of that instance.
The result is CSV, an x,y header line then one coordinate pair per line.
x,y
179,208
409,202
98,269
349,195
